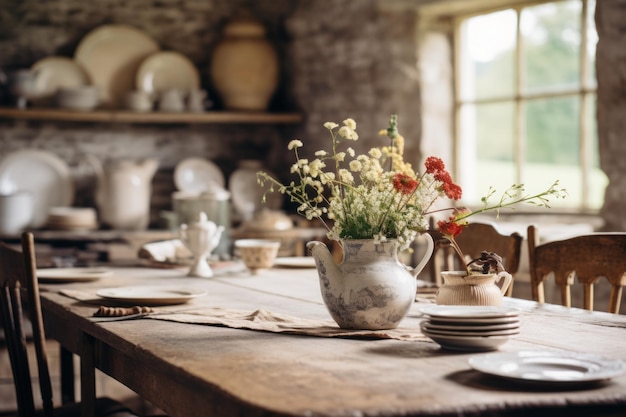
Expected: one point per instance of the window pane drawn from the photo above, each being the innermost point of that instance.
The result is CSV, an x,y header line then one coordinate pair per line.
x,y
551,46
598,179
553,147
487,48
486,152
592,40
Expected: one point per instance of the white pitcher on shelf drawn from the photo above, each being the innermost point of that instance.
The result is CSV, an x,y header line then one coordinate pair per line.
x,y
123,192
201,238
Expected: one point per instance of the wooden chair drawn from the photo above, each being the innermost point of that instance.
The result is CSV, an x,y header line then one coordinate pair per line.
x,y
585,257
474,239
18,283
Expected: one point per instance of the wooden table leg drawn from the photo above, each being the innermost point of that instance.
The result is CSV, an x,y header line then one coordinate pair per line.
x,y
87,376
67,376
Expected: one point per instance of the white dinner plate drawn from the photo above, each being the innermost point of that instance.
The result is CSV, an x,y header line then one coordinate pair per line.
x,y
295,262
548,366
467,343
470,314
111,55
49,275
41,173
472,327
150,295
164,71
56,72
197,175
462,332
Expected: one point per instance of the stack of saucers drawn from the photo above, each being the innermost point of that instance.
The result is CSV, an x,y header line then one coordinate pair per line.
x,y
470,328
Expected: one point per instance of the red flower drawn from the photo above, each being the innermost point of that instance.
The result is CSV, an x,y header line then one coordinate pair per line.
x,y
450,227
404,184
436,167
452,190
434,164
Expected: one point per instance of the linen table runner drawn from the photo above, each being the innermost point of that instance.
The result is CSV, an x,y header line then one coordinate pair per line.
x,y
262,320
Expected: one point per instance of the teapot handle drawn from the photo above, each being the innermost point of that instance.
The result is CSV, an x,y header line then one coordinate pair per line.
x,y
430,247
508,279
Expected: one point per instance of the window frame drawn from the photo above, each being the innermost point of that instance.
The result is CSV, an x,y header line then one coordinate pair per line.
x,y
585,92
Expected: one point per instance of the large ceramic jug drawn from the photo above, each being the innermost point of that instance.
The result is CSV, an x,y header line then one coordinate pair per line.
x,y
370,289
244,66
123,192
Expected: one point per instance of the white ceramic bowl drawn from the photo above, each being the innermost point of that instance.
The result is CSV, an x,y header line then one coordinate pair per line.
x,y
82,98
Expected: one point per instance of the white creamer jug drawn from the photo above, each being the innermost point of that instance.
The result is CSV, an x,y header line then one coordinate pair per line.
x,y
123,192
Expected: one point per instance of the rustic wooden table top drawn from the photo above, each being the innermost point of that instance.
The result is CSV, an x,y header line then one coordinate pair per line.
x,y
201,370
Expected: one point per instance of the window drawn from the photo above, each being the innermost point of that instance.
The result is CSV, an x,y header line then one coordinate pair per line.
x,y
525,102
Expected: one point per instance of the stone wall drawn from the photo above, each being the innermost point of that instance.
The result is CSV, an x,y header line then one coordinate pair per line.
x,y
611,107
339,59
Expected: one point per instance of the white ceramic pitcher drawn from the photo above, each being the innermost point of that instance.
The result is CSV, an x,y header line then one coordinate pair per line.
x,y
123,192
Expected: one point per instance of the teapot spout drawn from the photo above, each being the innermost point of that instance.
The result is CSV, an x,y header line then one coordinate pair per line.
x,y
328,270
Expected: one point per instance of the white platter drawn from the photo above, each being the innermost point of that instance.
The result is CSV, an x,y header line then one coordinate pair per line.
x,y
467,343
111,55
164,71
197,175
42,174
295,262
547,366
61,275
147,295
56,72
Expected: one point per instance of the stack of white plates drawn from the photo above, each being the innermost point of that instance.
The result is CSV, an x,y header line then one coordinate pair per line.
x,y
470,328
72,218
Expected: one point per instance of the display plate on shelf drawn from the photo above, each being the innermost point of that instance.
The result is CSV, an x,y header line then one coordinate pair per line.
x,y
42,174
167,70
56,72
111,55
197,175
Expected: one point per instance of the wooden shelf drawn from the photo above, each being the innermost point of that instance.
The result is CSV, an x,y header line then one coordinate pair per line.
x,y
121,116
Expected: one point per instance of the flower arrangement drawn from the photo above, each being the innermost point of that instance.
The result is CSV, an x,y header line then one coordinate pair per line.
x,y
378,195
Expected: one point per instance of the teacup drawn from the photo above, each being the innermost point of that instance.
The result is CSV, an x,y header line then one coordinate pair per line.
x,y
139,101
257,254
16,212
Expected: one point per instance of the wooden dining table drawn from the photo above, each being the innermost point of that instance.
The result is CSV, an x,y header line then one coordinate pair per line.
x,y
191,369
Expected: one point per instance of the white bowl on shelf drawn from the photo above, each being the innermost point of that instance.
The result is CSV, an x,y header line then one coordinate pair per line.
x,y
82,98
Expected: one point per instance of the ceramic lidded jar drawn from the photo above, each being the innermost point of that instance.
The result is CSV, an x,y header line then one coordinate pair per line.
x,y
244,66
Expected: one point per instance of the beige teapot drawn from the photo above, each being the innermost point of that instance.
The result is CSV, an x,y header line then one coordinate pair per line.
x,y
476,289
123,192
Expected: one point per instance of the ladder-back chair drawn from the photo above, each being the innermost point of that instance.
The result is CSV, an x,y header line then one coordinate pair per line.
x,y
19,294
474,239
586,258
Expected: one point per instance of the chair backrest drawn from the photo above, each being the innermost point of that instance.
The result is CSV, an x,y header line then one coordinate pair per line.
x,y
474,239
18,277
585,257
